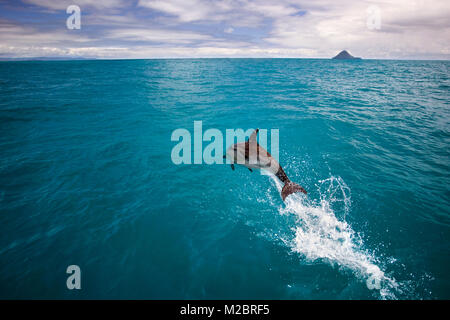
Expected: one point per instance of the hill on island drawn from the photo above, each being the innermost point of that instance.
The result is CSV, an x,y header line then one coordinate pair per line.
x,y
344,55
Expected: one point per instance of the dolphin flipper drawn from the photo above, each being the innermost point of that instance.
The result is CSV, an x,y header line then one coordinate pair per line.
x,y
250,170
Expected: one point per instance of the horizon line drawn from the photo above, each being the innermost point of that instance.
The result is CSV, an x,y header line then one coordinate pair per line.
x,y
44,58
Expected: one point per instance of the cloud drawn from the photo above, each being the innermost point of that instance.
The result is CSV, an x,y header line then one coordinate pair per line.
x,y
204,28
84,4
157,35
15,35
185,10
406,28
221,10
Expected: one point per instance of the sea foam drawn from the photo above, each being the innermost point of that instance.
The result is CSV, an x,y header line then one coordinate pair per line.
x,y
321,236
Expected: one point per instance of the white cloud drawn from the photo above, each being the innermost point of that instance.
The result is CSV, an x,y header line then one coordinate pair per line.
x,y
14,35
143,52
63,4
185,10
321,28
407,29
157,35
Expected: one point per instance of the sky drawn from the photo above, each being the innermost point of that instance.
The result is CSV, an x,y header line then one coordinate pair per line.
x,y
128,29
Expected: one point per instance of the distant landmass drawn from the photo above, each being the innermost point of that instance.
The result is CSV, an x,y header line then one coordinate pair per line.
x,y
43,58
344,55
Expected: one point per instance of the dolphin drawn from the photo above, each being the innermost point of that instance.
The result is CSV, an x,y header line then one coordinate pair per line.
x,y
251,155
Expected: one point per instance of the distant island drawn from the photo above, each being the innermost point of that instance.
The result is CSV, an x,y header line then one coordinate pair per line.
x,y
344,55
68,58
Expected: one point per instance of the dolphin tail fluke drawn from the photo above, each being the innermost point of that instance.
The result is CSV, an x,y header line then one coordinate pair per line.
x,y
290,188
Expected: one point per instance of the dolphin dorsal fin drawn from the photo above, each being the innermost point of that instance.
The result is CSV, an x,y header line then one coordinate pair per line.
x,y
252,138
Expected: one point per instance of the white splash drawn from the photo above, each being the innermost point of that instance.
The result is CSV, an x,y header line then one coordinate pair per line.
x,y
320,235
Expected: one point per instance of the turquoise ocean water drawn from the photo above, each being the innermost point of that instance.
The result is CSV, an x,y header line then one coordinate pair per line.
x,y
86,178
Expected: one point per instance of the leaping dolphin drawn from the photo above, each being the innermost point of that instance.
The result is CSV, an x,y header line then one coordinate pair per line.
x,y
251,155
